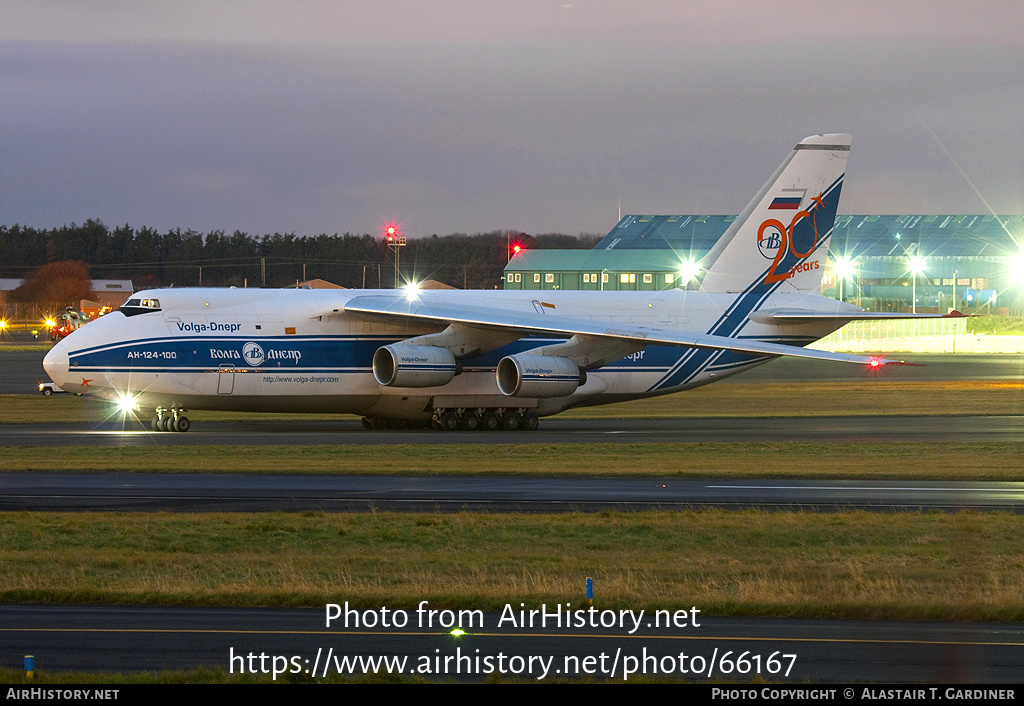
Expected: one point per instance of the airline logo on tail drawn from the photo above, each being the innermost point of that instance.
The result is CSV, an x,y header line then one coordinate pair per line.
x,y
769,239
799,239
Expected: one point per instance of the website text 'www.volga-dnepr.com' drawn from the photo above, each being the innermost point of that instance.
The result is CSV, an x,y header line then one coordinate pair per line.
x,y
475,662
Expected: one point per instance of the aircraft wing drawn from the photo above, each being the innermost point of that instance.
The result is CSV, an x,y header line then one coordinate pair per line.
x,y
442,312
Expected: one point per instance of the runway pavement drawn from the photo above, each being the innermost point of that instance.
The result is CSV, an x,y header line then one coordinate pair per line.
x,y
194,492
308,432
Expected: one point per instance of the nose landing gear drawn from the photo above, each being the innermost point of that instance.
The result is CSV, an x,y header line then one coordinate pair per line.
x,y
173,419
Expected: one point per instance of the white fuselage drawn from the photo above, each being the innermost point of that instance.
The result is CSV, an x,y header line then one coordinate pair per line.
x,y
299,351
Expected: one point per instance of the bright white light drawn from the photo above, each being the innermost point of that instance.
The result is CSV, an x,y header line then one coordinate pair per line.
x,y
125,404
917,264
412,290
845,267
1017,269
687,272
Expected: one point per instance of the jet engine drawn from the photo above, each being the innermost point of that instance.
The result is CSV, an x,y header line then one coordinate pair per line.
x,y
538,376
401,365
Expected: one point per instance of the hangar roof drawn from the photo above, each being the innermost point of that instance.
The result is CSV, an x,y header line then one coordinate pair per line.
x,y
856,235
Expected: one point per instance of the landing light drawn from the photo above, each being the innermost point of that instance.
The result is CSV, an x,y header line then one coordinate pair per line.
x,y
125,404
50,323
412,290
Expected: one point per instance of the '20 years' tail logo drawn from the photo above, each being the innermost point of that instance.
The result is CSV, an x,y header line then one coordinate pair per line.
x,y
775,241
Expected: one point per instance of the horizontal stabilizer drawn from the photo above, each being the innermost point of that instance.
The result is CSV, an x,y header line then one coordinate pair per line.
x,y
796,316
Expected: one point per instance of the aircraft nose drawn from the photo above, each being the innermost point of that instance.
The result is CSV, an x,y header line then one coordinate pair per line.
x,y
55,363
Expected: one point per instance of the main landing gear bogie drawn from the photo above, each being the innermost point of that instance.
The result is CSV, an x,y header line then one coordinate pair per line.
x,y
485,419
170,420
464,420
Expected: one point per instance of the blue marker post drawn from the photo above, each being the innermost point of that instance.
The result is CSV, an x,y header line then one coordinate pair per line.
x,y
30,666
590,591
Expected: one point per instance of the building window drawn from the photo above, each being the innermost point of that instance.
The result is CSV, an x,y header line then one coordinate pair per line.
x,y
536,278
669,278
627,278
519,276
548,278
648,278
604,277
586,278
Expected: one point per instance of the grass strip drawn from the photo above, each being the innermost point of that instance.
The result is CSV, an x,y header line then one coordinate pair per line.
x,y
949,566
882,461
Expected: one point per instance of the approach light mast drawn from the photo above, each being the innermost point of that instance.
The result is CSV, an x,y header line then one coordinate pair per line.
x,y
396,241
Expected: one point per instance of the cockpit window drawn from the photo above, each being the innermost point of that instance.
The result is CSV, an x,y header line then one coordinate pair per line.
x,y
134,307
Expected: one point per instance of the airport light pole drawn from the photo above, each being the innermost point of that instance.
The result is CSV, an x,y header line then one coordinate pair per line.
x,y
916,265
955,322
844,267
396,241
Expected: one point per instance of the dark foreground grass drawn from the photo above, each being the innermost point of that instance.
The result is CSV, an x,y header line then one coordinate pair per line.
x,y
960,461
960,566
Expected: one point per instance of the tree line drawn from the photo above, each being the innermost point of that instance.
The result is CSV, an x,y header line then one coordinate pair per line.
x,y
189,258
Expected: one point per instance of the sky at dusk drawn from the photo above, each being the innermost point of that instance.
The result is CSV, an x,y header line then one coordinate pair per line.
x,y
468,115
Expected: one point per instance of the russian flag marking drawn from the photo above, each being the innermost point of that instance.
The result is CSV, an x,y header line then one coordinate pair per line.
x,y
785,203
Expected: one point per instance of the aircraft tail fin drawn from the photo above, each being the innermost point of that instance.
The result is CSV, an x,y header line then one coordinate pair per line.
x,y
780,240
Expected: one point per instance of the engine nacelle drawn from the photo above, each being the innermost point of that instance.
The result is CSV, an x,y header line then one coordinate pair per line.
x,y
401,365
538,376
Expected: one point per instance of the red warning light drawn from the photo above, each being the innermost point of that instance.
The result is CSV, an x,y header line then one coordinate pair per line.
x,y
517,248
392,232
876,365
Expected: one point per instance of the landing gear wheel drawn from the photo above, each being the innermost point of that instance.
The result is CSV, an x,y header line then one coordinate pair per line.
x,y
531,421
470,422
181,424
165,424
490,421
47,391
449,421
155,424
512,421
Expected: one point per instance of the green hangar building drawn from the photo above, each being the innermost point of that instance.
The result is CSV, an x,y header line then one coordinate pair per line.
x,y
883,263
